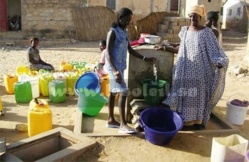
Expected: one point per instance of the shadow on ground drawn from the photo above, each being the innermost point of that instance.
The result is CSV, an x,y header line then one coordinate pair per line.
x,y
233,40
13,117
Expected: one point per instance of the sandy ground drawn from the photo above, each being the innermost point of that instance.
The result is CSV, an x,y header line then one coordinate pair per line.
x,y
184,147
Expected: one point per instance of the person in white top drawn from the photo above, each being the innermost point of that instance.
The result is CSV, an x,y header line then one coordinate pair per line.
x,y
99,69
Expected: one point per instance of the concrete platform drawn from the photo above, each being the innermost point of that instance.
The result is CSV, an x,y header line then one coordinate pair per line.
x,y
95,126
215,124
57,144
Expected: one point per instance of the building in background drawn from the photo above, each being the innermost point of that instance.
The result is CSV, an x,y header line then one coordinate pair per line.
x,y
235,14
54,17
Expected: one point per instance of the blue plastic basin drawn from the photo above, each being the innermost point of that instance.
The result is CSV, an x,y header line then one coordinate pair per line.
x,y
89,80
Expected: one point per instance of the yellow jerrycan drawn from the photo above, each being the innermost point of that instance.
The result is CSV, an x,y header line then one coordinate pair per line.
x,y
23,69
39,117
9,81
66,66
44,80
105,83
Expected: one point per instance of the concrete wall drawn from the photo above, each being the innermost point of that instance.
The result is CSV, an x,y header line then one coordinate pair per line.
x,y
209,6
96,2
214,5
159,5
47,16
226,8
145,7
139,8
182,8
144,70
13,8
133,5
54,16
188,5
234,14
233,19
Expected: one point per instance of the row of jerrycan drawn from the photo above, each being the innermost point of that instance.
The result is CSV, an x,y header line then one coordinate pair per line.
x,y
23,91
39,117
44,78
48,84
53,86
69,79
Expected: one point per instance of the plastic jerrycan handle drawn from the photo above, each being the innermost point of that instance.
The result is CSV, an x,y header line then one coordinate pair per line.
x,y
38,103
140,122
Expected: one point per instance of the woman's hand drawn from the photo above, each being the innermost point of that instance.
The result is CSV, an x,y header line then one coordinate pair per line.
x,y
158,47
219,66
117,77
172,49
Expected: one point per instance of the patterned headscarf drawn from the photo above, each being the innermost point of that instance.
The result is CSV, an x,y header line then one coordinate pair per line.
x,y
198,9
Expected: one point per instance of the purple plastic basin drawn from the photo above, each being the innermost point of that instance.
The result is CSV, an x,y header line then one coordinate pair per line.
x,y
160,125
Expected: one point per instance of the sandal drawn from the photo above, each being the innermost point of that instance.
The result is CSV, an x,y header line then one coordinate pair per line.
x,y
112,126
126,130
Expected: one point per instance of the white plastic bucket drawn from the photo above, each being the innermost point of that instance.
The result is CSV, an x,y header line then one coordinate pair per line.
x,y
229,149
34,81
236,114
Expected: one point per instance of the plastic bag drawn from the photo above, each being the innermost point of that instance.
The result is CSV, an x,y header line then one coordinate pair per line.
x,y
237,102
